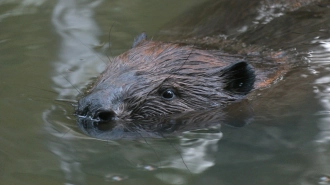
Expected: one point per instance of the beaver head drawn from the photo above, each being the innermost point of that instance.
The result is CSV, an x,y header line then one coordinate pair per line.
x,y
154,79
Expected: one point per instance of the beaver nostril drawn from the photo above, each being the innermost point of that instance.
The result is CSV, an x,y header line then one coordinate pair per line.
x,y
105,115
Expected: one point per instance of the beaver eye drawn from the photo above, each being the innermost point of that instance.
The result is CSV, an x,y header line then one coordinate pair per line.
x,y
168,94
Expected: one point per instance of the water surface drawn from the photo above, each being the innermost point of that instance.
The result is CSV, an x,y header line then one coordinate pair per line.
x,y
50,51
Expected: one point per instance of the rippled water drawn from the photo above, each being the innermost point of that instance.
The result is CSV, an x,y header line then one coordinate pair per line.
x,y
50,51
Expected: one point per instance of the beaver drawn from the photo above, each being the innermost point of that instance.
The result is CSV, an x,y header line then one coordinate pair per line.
x,y
184,83
155,79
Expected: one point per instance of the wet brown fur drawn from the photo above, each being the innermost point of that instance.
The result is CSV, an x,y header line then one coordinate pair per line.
x,y
131,85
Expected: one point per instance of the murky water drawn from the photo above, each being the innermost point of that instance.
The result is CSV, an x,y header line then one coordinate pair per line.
x,y
50,51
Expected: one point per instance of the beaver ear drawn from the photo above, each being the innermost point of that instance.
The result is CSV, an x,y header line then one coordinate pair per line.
x,y
139,39
238,78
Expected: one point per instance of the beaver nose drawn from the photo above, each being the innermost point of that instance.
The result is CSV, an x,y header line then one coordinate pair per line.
x,y
95,107
104,116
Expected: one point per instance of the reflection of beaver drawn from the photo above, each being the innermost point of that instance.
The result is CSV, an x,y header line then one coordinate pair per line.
x,y
155,78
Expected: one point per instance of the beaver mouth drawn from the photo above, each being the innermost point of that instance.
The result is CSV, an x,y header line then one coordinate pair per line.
x,y
88,123
100,120
98,116
119,129
115,129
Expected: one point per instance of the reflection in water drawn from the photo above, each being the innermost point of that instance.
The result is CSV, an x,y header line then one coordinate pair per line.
x,y
77,61
24,7
73,21
320,59
171,160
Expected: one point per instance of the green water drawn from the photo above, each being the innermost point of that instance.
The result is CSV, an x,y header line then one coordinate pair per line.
x,y
50,50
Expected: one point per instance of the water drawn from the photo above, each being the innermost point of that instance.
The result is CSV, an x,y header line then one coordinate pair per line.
x,y
50,51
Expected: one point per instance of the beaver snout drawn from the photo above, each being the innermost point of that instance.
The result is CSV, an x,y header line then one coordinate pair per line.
x,y
91,108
